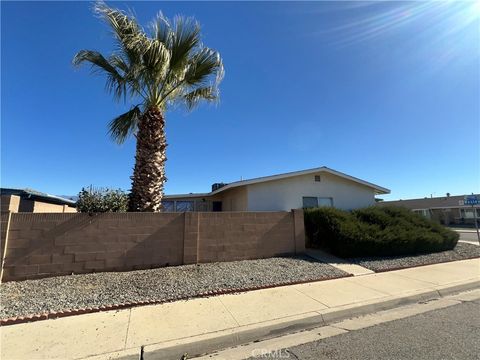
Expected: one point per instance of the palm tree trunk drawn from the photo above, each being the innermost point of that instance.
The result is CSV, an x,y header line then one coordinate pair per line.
x,y
149,172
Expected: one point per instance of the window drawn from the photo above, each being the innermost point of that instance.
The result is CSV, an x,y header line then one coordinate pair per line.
x,y
168,206
423,212
201,205
313,201
183,206
317,178
310,202
325,202
468,213
216,206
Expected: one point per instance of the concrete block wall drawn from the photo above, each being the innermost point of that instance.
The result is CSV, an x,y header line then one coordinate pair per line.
x,y
225,236
4,226
42,245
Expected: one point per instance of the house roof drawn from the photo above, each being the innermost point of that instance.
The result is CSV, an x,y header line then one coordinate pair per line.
x,y
324,169
428,203
37,195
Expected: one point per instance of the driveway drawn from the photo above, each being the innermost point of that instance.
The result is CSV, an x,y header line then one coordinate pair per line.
x,y
468,235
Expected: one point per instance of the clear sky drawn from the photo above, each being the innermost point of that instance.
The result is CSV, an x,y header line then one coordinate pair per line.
x,y
387,92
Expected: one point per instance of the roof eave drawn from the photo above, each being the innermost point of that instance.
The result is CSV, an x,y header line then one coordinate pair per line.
x,y
378,189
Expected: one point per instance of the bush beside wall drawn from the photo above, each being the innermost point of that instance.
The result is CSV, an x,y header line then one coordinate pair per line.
x,y
100,200
375,231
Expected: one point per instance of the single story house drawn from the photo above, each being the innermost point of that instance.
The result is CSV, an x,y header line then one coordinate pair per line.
x,y
447,210
300,189
28,200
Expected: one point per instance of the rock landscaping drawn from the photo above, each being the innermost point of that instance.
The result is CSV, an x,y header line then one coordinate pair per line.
x,y
461,251
61,293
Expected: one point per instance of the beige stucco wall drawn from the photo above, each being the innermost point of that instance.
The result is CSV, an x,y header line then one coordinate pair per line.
x,y
235,199
42,207
287,194
14,203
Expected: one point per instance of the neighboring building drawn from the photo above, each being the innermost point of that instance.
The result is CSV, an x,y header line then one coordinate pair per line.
x,y
28,200
447,210
301,189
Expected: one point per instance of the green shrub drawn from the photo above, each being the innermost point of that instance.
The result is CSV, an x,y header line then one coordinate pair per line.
x,y
375,231
100,200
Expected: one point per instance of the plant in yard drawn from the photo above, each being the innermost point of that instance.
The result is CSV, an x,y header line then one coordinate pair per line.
x,y
155,71
375,231
98,200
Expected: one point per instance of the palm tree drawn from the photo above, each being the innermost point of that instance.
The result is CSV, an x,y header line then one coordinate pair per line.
x,y
154,71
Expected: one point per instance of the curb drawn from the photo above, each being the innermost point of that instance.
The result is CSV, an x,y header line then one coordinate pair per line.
x,y
89,310
200,347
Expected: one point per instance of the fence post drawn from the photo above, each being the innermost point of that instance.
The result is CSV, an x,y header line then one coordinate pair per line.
x,y
298,231
190,237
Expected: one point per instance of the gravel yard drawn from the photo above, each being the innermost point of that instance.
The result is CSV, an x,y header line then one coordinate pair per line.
x,y
460,252
90,290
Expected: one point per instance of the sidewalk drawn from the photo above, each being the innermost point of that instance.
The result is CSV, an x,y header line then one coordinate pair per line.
x,y
230,319
353,269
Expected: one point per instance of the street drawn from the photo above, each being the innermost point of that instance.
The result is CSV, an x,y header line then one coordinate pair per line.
x,y
449,333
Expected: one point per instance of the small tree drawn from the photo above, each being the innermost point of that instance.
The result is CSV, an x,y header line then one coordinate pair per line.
x,y
100,200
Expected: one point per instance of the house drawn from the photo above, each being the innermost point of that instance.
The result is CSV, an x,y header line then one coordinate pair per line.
x,y
300,189
447,210
28,200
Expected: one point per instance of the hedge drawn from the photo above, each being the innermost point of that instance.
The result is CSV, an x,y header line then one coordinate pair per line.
x,y
375,231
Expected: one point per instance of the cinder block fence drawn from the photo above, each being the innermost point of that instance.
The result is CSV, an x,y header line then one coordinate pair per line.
x,y
42,245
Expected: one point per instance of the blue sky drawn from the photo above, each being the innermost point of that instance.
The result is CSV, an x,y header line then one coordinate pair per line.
x,y
387,92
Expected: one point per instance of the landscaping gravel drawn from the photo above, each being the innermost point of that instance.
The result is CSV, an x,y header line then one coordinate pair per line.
x,y
460,252
90,290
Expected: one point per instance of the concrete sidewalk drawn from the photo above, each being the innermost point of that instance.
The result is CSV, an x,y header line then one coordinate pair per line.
x,y
204,324
342,264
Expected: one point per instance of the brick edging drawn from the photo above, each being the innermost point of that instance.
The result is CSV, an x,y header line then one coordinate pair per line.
x,y
95,309
416,266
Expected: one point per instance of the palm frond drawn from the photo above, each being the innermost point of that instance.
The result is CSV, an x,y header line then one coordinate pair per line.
x,y
131,73
192,98
186,37
162,30
203,66
170,66
130,36
116,82
156,60
97,61
124,125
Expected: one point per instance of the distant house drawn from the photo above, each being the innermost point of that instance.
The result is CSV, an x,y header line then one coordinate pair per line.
x,y
28,200
447,210
300,189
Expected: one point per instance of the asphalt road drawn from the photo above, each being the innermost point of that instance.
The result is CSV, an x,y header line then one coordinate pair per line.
x,y
450,333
